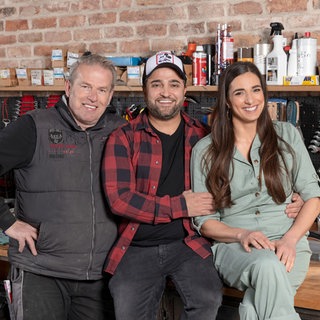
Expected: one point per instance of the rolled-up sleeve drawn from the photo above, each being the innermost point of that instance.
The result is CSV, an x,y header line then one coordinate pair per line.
x,y
198,178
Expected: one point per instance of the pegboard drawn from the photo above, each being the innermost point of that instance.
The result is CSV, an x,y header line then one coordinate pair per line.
x,y
310,123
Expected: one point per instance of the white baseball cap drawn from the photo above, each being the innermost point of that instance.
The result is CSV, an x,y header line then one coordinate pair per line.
x,y
164,59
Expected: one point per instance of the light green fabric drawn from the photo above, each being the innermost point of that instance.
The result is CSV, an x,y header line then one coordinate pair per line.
x,y
269,288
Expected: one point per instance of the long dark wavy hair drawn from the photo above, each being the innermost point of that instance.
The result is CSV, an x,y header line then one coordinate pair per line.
x,y
218,158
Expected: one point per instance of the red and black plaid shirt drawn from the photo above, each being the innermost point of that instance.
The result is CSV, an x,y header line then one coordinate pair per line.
x,y
131,170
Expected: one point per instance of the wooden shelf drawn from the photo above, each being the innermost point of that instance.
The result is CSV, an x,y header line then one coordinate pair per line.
x,y
139,89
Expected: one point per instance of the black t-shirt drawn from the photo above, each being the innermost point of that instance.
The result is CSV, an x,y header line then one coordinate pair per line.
x,y
171,183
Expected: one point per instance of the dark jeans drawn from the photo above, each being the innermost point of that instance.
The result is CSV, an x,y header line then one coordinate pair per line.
x,y
140,279
39,297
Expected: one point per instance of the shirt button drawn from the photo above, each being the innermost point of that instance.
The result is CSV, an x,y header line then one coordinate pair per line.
x,y
153,187
257,213
123,248
157,162
257,194
256,161
158,141
132,228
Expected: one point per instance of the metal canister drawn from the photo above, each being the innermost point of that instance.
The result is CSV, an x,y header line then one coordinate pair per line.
x,y
260,52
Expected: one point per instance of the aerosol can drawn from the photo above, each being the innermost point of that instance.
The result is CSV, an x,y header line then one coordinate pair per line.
x,y
276,61
199,67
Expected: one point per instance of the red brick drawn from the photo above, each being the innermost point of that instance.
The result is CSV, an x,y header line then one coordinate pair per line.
x,y
103,48
87,35
19,51
58,36
5,40
44,23
72,21
102,18
182,29
139,47
159,14
286,5
158,2
29,11
16,25
208,10
168,44
30,37
152,30
118,32
84,5
246,8
116,4
7,12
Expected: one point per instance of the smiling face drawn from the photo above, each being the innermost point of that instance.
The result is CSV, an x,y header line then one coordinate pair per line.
x,y
164,93
246,98
89,94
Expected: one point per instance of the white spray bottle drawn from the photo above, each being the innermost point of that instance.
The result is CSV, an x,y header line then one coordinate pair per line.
x,y
293,57
276,60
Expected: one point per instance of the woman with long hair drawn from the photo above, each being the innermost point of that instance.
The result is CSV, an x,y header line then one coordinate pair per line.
x,y
252,165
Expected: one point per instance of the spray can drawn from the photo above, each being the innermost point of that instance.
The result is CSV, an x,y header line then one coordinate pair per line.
x,y
209,49
307,55
276,60
217,56
227,55
199,67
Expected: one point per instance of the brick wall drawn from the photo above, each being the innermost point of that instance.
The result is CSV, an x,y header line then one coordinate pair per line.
x,y
30,29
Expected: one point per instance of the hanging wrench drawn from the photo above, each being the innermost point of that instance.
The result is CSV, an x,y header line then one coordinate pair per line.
x,y
6,122
314,149
315,142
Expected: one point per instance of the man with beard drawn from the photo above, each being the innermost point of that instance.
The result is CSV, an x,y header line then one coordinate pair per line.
x,y
147,182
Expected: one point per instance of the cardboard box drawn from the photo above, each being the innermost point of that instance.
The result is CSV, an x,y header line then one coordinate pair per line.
x,y
301,80
36,77
121,76
59,76
58,58
8,77
72,57
188,71
23,76
48,79
134,75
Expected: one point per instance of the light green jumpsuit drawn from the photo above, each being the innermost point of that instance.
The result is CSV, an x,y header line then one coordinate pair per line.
x,y
269,289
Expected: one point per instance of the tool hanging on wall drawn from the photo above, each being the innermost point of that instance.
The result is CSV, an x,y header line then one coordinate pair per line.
x,y
314,145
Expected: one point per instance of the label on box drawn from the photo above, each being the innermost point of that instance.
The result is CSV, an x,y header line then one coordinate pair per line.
x,y
58,73
5,73
301,80
72,57
57,54
133,72
36,77
22,73
48,79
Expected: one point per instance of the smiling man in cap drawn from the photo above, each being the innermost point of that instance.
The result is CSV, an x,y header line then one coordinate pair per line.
x,y
147,182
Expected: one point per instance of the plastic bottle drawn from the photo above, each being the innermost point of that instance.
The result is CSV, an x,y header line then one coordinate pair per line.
x,y
307,55
276,61
199,67
293,58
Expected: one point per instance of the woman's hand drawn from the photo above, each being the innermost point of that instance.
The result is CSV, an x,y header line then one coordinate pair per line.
x,y
255,239
286,252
